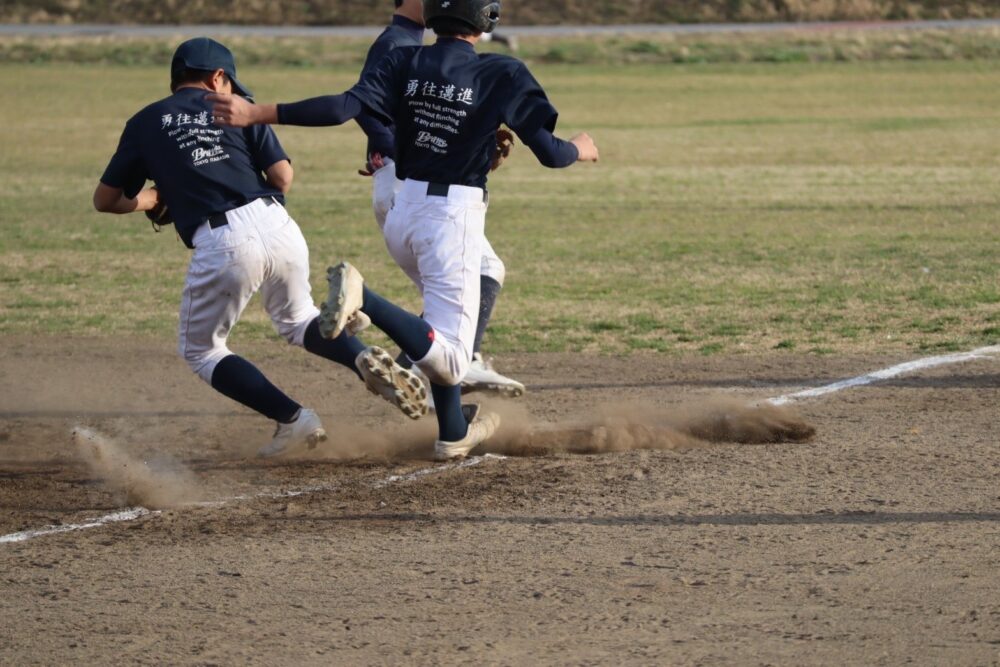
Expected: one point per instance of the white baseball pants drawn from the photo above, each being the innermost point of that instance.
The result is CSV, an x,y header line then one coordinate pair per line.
x,y
261,248
438,242
385,186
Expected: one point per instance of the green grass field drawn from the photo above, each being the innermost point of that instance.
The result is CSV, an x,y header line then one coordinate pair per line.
x,y
827,208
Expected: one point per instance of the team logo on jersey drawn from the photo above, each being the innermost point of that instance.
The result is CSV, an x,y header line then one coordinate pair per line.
x,y
208,155
200,154
427,140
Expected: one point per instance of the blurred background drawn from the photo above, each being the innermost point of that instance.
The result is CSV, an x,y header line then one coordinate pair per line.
x,y
371,12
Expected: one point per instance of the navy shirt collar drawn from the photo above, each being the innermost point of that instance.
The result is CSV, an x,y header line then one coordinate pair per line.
x,y
456,43
403,22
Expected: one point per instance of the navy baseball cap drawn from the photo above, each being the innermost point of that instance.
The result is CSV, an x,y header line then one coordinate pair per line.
x,y
202,53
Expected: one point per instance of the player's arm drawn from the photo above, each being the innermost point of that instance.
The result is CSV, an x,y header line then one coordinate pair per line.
x,y
120,189
326,111
556,153
280,175
270,157
380,138
379,135
377,92
529,113
108,199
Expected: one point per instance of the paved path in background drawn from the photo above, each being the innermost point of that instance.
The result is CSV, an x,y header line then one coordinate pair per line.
x,y
49,30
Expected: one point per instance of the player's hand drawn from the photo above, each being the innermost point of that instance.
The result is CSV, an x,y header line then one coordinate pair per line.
x,y
150,199
233,110
586,146
375,162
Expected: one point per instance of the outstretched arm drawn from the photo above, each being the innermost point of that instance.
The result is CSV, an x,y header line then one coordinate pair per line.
x,y
234,111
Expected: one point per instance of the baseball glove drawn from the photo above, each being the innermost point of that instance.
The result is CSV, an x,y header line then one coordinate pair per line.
x,y
159,215
505,143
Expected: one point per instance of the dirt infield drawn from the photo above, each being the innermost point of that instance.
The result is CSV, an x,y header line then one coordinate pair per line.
x,y
876,542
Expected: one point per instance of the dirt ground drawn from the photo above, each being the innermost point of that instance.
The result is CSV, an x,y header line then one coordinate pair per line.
x,y
877,542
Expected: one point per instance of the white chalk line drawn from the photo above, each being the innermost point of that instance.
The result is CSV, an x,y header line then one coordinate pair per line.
x,y
862,380
117,517
889,373
135,513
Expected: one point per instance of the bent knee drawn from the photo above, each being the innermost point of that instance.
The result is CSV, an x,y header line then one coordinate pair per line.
x,y
294,330
445,365
293,334
202,360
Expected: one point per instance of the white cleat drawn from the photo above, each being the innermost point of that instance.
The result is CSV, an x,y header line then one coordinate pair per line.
x,y
342,308
427,385
385,378
358,324
482,426
482,377
306,431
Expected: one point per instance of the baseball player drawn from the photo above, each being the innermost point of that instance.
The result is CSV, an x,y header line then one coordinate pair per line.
x,y
223,189
407,29
447,103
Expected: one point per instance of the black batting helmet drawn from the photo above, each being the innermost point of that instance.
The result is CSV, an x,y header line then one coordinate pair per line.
x,y
481,15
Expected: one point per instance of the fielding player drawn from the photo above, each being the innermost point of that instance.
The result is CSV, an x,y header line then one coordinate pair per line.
x,y
407,29
224,191
447,104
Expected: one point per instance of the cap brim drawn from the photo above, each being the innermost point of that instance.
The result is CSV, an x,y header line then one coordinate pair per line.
x,y
239,88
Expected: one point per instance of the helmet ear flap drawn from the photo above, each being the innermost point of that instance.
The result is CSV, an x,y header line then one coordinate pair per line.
x,y
479,15
491,15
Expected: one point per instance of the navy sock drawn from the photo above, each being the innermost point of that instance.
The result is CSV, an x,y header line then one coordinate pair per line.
x,y
452,425
489,290
343,349
240,380
412,334
404,360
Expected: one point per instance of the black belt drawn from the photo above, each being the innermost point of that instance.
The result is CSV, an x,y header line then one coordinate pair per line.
x,y
441,190
217,220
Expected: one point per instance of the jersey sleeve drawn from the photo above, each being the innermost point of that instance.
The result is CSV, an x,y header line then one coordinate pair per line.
x,y
380,89
265,149
527,109
380,136
127,169
379,50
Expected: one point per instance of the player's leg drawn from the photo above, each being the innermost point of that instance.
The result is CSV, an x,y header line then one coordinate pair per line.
x,y
411,333
287,296
444,236
444,241
492,275
482,376
226,269
460,428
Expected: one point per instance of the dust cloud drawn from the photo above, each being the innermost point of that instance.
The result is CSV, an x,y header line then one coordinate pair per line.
x,y
616,428
631,426
154,485
350,443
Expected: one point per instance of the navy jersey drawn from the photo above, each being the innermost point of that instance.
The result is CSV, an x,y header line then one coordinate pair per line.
x,y
199,168
402,32
447,103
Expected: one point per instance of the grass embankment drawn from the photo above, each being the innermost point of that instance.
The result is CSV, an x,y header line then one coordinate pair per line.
x,y
825,208
803,46
366,12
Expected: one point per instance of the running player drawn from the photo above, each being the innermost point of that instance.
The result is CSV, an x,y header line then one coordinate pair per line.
x,y
447,103
224,190
407,29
